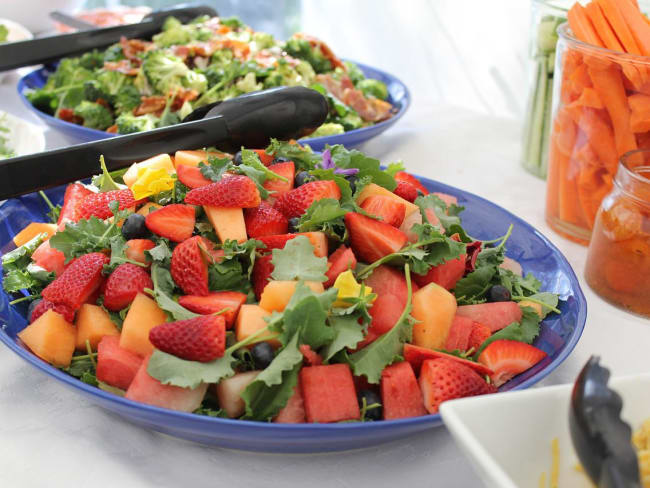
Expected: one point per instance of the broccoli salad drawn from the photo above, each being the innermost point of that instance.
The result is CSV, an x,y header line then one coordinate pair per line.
x,y
137,85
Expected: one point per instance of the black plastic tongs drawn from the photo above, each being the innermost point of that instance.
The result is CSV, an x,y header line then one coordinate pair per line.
x,y
601,438
250,120
47,49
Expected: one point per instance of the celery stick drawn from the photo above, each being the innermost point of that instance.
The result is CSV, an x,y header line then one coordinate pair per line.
x,y
534,149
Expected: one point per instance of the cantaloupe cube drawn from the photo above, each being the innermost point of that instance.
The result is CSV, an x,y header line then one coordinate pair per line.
x,y
143,316
250,320
148,207
434,308
51,338
535,306
228,223
229,392
93,323
32,230
161,161
193,158
277,294
374,189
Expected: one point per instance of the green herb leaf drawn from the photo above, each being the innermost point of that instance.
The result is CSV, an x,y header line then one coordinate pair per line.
x,y
472,288
163,289
104,181
83,237
170,370
298,262
446,214
301,155
326,216
348,333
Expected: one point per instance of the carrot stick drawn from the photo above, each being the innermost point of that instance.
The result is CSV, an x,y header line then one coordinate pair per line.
x,y
639,102
555,157
620,27
569,209
591,190
589,98
565,132
599,135
582,26
638,27
640,121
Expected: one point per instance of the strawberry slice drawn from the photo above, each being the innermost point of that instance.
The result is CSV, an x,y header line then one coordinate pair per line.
x,y
198,339
409,178
237,191
175,222
509,358
339,261
45,305
191,176
96,204
124,284
266,159
74,194
288,170
371,239
135,249
298,200
215,302
49,258
405,190
391,211
416,355
78,282
189,266
478,336
264,221
261,275
445,379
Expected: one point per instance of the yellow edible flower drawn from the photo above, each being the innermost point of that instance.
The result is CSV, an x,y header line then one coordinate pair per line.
x,y
348,288
151,181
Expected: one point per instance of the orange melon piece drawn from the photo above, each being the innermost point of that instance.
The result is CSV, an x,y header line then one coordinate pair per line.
x,y
148,207
143,316
319,241
163,161
228,223
276,294
374,189
193,158
93,323
250,320
434,308
535,306
51,338
32,230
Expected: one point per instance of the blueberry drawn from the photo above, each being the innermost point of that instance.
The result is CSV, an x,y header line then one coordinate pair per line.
x,y
280,160
293,224
134,227
31,308
237,159
498,293
302,178
263,354
371,398
353,182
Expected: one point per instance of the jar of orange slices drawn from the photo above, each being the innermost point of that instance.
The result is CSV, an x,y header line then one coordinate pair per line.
x,y
618,262
601,109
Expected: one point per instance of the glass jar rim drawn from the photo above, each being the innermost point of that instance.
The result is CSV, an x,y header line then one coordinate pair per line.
x,y
553,5
629,177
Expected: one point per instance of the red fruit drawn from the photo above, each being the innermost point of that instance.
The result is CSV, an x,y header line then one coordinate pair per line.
x,y
446,274
96,204
317,239
215,302
328,393
496,315
459,332
294,411
199,339
509,358
191,176
264,221
400,393
45,305
386,280
371,239
175,222
79,280
237,191
124,284
264,158
339,261
298,200
311,357
189,266
390,210
74,193
135,249
445,197
478,336
416,355
409,178
261,275
49,258
405,190
445,379
116,366
288,170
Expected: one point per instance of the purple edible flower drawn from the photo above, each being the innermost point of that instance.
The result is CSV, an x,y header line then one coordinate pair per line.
x,y
329,164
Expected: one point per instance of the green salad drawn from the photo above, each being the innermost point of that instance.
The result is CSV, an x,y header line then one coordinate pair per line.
x,y
5,150
137,85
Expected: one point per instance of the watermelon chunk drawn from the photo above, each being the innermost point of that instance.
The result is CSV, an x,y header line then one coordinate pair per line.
x,y
495,315
461,329
286,169
49,258
328,393
116,366
446,274
416,355
400,393
339,261
294,411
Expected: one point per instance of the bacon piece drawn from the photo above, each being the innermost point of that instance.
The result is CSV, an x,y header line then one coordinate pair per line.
x,y
150,105
324,49
131,47
68,115
123,66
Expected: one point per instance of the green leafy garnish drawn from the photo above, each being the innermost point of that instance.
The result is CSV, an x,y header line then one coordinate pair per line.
x,y
20,272
298,262
104,181
524,331
163,290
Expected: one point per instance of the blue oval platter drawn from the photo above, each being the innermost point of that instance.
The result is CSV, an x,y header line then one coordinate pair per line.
x,y
483,219
398,96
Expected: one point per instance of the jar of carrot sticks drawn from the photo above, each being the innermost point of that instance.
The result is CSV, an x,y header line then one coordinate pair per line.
x,y
618,262
601,109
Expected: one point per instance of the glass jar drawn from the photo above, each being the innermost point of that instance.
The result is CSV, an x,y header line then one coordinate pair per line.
x,y
599,114
546,16
618,262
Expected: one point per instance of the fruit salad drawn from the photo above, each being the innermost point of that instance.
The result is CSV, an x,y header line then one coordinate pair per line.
x,y
273,285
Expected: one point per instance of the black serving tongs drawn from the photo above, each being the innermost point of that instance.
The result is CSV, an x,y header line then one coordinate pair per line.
x,y
46,49
601,438
249,120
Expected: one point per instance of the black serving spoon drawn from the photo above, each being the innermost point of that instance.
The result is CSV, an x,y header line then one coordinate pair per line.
x,y
601,438
249,120
46,49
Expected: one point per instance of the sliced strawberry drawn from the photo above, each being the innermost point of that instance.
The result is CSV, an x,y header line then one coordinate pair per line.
x,y
79,280
49,258
445,379
189,266
266,159
237,191
74,193
175,222
264,221
135,249
388,209
191,176
509,358
409,178
96,204
371,239
317,239
198,339
124,283
215,302
261,275
405,190
478,336
416,355
298,200
280,187
339,261
45,305
310,357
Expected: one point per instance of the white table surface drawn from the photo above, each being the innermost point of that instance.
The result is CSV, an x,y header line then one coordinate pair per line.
x,y
467,79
